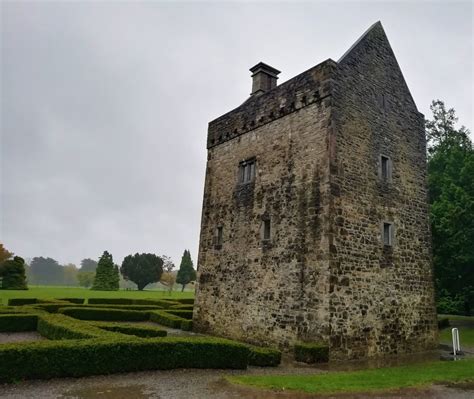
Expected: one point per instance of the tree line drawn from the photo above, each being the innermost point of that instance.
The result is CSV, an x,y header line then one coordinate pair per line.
x,y
140,269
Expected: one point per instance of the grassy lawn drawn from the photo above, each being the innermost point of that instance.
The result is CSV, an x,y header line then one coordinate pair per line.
x,y
465,324
78,292
366,380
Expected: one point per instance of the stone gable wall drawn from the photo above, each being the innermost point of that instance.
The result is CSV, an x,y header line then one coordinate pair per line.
x,y
381,298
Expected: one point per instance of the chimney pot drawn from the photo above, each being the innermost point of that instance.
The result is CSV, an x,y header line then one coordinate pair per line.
x,y
264,78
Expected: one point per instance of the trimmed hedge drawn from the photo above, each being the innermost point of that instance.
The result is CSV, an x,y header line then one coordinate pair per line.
x,y
311,353
264,357
58,326
21,301
130,329
18,322
78,301
182,307
105,314
77,358
185,314
170,320
127,301
185,301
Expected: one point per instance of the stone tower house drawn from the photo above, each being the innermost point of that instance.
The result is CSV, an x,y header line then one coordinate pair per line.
x,y
315,219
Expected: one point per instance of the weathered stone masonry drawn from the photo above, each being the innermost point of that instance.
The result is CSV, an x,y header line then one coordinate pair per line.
x,y
325,273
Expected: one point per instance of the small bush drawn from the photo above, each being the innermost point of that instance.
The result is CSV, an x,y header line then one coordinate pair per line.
x,y
443,323
76,358
170,320
21,301
264,357
311,352
104,314
18,322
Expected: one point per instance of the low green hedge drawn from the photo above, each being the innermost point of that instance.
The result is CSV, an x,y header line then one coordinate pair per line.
x,y
171,320
21,301
185,314
77,358
78,301
104,314
186,301
18,322
264,357
311,352
182,307
131,329
59,326
128,301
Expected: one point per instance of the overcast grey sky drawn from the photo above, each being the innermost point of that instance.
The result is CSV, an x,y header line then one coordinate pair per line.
x,y
105,105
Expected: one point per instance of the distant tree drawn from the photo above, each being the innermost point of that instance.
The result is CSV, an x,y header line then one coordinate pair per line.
x,y
106,276
451,191
4,254
13,274
85,279
142,269
46,271
88,265
70,274
168,278
186,272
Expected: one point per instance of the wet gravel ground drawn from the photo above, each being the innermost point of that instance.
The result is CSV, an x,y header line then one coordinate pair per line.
x,y
193,384
26,336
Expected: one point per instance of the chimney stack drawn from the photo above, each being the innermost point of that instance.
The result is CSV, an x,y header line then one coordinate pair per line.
x,y
264,78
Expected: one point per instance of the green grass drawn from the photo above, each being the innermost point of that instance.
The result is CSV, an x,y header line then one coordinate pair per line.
x,y
366,380
465,324
78,292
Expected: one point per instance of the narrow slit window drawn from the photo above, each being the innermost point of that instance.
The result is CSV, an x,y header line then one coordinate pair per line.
x,y
266,229
387,234
219,236
385,168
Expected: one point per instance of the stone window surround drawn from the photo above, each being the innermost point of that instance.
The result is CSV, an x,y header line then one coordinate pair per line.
x,y
387,226
387,161
266,229
218,237
247,171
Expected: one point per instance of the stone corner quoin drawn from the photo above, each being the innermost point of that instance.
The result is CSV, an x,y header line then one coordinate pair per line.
x,y
315,223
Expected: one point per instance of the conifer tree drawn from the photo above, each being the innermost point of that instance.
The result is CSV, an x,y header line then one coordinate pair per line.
x,y
13,274
186,272
106,276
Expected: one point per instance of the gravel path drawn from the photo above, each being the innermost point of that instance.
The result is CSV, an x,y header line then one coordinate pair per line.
x,y
191,384
26,336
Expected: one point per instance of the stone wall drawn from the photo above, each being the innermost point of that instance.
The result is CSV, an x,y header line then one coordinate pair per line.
x,y
381,298
325,275
274,292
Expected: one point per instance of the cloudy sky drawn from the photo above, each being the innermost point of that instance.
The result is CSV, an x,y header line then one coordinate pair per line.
x,y
105,105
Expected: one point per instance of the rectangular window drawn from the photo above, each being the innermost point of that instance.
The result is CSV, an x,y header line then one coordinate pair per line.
x,y
247,171
385,168
266,229
387,234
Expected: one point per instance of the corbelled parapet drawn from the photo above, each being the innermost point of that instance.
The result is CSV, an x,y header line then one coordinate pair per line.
x,y
312,86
